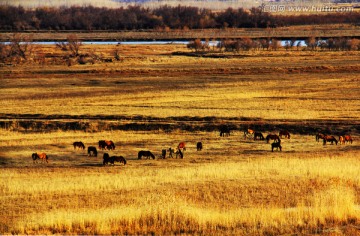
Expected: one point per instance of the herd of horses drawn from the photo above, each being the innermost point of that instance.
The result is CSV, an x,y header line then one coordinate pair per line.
x,y
92,151
343,139
110,145
250,133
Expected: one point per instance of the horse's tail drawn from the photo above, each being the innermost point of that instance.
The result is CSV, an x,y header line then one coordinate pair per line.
x,y
139,155
152,155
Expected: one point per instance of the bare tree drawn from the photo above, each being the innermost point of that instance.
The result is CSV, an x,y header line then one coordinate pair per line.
x,y
73,45
19,49
311,43
197,45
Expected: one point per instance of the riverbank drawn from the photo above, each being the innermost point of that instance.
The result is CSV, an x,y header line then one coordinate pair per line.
x,y
300,32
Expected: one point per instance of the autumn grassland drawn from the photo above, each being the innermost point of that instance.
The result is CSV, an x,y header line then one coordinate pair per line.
x,y
152,99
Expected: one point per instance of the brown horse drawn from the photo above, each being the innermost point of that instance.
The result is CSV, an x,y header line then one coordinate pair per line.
x,y
319,136
284,133
182,146
345,138
146,154
41,156
258,135
106,144
274,137
348,138
329,138
341,140
249,133
79,145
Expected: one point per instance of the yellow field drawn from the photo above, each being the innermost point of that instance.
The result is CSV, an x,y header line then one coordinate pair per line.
x,y
233,186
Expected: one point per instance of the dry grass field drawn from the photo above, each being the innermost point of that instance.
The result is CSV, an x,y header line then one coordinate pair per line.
x,y
153,99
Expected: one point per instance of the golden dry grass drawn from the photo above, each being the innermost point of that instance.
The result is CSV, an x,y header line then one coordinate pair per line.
x,y
233,186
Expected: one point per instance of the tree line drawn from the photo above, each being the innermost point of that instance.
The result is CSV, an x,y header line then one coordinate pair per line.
x,y
164,17
247,44
20,48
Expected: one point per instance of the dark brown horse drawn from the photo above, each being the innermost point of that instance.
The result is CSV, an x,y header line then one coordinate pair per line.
x,y
330,138
146,154
163,154
79,145
41,156
276,145
119,159
224,131
171,151
106,159
274,137
179,153
199,146
92,151
258,135
284,133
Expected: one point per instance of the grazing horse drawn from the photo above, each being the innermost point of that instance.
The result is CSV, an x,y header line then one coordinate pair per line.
x,y
348,138
106,144
106,159
119,159
41,156
330,138
284,133
179,153
224,131
319,136
258,135
182,146
249,133
345,138
272,137
146,154
276,145
199,146
341,140
92,151
171,151
79,145
163,154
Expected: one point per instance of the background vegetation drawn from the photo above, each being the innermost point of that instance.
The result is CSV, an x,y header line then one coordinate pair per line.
x,y
164,17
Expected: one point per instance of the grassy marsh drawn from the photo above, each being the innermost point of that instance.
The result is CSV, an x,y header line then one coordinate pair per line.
x,y
233,186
